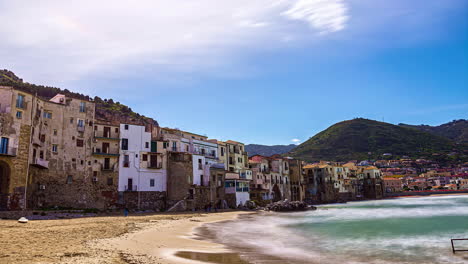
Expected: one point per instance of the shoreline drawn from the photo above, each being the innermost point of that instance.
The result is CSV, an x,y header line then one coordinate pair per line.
x,y
171,241
109,239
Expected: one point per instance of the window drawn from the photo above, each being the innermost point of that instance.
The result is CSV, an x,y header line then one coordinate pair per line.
x,y
79,143
222,152
95,128
55,132
126,127
54,148
124,143
126,161
151,182
69,179
82,107
110,181
20,101
116,130
19,114
80,123
145,157
95,173
71,120
146,144
4,145
47,115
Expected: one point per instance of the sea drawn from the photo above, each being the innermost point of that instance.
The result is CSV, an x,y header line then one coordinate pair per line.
x,y
400,230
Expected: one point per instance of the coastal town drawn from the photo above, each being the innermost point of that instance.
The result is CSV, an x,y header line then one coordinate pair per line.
x,y
59,153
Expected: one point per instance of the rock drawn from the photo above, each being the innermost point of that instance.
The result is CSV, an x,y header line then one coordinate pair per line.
x,y
250,205
287,206
23,220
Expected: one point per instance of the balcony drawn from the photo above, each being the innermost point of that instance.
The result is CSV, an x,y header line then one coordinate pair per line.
x,y
155,165
41,163
8,152
107,168
107,135
107,152
131,188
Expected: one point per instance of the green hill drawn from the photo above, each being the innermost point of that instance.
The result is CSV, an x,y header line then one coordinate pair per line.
x,y
355,139
456,130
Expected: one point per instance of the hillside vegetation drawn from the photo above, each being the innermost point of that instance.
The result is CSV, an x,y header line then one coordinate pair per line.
x,y
360,139
264,150
456,130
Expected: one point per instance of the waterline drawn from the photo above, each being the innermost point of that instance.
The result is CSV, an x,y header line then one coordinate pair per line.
x,y
403,230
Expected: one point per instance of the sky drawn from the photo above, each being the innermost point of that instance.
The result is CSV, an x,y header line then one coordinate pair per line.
x,y
264,71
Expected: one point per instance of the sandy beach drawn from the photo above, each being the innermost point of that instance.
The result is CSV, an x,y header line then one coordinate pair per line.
x,y
111,239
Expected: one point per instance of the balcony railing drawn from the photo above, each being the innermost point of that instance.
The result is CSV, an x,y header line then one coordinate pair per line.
x,y
242,189
107,168
108,135
38,162
157,165
107,152
9,151
131,188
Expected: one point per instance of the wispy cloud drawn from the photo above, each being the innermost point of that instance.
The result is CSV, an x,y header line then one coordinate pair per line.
x,y
324,15
295,140
54,40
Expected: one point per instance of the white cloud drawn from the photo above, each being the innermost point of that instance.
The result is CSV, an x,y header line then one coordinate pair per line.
x,y
295,140
54,40
324,15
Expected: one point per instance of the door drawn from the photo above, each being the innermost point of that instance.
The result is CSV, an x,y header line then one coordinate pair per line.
x,y
154,146
130,184
105,147
107,163
107,132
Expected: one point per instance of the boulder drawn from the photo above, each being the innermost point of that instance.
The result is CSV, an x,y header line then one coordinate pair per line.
x,y
287,206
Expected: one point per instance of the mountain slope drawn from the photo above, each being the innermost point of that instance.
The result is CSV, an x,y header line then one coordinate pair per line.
x,y
354,139
456,130
264,150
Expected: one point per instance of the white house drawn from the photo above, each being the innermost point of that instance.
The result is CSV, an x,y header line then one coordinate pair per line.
x,y
141,166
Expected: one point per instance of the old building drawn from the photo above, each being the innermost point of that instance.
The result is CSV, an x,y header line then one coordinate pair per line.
x,y
392,185
48,144
297,180
239,175
15,132
142,168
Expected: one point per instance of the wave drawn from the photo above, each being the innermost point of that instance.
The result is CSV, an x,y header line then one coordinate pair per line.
x,y
381,232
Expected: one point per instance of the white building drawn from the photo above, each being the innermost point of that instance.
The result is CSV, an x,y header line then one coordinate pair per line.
x,y
141,166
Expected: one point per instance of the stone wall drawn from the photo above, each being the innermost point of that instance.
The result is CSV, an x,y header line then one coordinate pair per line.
x,y
143,200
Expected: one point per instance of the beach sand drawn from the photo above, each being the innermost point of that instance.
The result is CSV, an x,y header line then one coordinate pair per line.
x,y
112,239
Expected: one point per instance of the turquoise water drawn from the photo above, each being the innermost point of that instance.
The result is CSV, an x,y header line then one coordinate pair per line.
x,y
405,230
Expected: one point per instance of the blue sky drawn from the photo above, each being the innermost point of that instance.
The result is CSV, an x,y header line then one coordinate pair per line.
x,y
265,72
